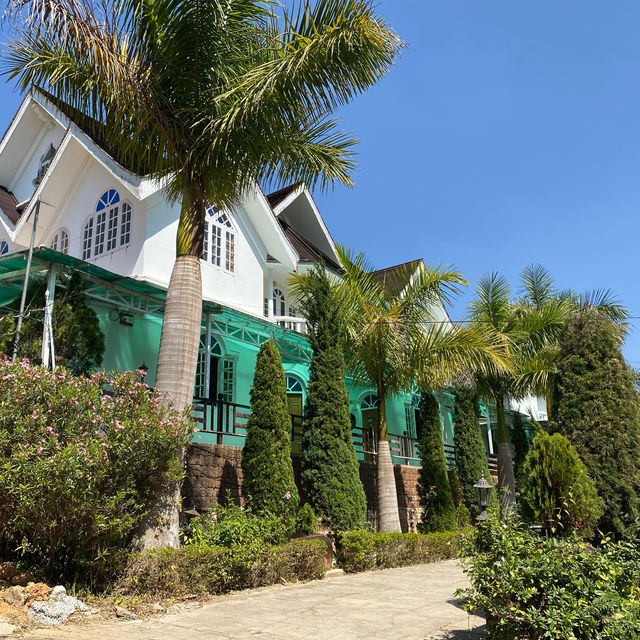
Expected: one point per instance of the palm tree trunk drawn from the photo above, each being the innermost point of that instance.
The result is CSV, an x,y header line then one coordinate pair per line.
x,y
506,476
388,512
178,355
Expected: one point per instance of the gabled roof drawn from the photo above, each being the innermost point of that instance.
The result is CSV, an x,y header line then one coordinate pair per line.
x,y
9,205
97,132
277,197
394,279
307,251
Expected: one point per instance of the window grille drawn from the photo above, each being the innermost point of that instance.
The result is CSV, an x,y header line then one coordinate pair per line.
x,y
60,242
219,248
111,220
228,367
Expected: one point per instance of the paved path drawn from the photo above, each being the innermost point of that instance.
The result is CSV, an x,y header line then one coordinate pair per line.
x,y
412,603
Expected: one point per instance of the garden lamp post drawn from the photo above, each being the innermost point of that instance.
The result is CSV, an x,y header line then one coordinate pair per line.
x,y
484,489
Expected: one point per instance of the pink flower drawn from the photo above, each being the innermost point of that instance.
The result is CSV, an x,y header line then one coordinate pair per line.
x,y
288,495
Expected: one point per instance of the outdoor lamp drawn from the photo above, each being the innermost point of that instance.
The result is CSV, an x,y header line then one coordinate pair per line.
x,y
484,491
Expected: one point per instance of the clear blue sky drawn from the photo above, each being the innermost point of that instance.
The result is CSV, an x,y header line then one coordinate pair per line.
x,y
509,133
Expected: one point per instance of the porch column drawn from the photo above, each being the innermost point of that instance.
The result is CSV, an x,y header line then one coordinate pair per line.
x,y
207,358
48,347
489,435
269,273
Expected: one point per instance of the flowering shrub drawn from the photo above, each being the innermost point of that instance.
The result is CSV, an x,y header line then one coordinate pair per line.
x,y
80,459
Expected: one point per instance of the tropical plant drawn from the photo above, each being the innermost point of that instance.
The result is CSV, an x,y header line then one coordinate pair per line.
x,y
471,456
77,336
532,325
330,469
268,484
556,491
596,407
207,97
434,489
529,333
398,332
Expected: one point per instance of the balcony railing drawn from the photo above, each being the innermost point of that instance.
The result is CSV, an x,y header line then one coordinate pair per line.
x,y
291,322
229,419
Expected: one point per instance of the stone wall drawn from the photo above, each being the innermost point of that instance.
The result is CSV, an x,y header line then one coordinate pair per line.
x,y
213,470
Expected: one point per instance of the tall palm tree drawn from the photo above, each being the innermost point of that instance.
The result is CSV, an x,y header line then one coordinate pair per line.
x,y
207,96
398,334
532,324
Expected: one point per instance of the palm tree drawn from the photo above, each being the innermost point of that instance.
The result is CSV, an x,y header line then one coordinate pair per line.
x,y
532,325
208,96
398,334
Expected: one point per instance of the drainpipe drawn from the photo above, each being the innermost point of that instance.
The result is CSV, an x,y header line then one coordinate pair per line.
x,y
16,341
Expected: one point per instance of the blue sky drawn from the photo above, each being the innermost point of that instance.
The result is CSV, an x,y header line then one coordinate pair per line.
x,y
508,133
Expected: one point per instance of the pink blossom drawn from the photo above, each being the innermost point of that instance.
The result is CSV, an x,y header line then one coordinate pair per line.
x,y
288,495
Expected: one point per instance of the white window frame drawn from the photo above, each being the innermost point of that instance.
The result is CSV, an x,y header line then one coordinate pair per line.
x,y
107,229
60,241
219,246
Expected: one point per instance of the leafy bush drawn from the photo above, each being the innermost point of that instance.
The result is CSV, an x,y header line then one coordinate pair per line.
x,y
438,510
268,485
534,588
231,525
463,517
595,405
363,550
209,569
521,445
307,521
79,466
557,491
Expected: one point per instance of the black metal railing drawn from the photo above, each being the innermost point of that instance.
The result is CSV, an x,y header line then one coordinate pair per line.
x,y
224,418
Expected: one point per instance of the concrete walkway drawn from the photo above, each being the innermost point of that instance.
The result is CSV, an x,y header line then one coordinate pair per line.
x,y
411,603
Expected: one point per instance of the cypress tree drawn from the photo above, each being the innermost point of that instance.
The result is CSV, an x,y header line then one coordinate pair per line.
x,y
330,470
596,407
268,484
471,456
438,510
521,445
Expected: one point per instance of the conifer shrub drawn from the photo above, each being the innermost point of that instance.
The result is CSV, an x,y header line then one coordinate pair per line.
x,y
438,510
81,462
521,445
330,470
268,484
307,523
471,456
557,492
595,405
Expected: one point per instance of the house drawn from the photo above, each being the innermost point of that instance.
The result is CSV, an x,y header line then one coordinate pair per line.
x,y
64,194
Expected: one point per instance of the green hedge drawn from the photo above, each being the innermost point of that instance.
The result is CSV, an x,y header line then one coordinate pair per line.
x,y
207,569
364,550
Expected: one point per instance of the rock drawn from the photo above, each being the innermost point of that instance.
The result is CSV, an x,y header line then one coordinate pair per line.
x,y
121,612
58,593
15,596
57,609
157,607
333,573
6,629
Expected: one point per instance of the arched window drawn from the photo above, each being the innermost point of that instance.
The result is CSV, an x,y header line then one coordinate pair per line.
x,y
293,385
60,241
369,402
219,246
279,303
4,247
45,163
109,228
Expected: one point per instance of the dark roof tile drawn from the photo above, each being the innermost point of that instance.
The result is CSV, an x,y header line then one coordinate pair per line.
x,y
395,279
9,205
277,197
